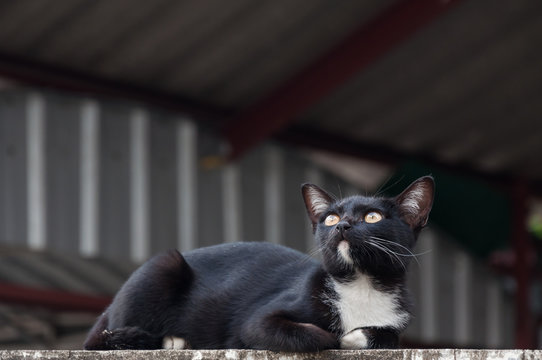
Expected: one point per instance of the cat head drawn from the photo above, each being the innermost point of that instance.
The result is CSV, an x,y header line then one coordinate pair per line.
x,y
369,234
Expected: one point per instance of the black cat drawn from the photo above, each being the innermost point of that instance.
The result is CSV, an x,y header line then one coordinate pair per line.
x,y
265,296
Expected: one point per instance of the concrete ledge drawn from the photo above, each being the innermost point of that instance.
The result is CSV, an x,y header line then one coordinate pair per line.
x,y
408,354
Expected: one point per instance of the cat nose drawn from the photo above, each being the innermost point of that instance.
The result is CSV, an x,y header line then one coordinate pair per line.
x,y
343,226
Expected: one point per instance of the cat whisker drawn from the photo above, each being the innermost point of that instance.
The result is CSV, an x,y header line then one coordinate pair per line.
x,y
393,255
390,242
310,255
410,253
417,254
399,254
313,252
385,186
371,252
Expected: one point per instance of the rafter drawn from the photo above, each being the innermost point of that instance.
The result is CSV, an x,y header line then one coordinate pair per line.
x,y
358,50
38,73
51,299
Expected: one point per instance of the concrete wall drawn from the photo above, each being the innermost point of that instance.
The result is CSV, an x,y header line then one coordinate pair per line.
x,y
446,354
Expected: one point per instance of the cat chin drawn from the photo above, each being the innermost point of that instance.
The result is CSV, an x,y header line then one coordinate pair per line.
x,y
343,248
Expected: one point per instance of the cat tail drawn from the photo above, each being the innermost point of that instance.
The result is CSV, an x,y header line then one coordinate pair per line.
x,y
125,338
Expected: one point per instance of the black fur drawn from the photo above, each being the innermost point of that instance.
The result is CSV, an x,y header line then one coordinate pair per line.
x,y
260,295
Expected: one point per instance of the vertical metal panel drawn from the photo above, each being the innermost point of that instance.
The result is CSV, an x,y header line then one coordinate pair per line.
x,y
447,306
13,169
314,176
462,277
429,298
477,301
494,324
522,247
114,185
274,195
36,205
188,185
89,173
231,203
252,201
62,149
163,184
139,185
209,194
294,215
413,284
509,322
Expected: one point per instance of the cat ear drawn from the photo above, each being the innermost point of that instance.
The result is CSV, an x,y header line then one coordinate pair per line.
x,y
316,201
416,202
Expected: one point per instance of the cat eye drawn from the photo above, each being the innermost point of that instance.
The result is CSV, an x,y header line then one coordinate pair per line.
x,y
373,217
331,220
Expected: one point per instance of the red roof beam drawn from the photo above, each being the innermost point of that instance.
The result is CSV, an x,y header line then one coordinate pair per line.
x,y
52,299
358,50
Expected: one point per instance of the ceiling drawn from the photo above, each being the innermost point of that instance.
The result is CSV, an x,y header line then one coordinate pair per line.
x,y
455,83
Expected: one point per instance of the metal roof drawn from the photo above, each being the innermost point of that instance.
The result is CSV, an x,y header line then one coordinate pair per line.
x,y
61,274
462,89
466,89
222,54
49,300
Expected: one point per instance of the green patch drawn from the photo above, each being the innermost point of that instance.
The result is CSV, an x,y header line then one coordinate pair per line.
x,y
473,212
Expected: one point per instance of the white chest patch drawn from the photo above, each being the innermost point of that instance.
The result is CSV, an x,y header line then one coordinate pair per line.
x,y
359,304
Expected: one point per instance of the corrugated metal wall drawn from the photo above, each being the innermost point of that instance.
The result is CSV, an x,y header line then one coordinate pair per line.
x,y
459,302
113,179
116,180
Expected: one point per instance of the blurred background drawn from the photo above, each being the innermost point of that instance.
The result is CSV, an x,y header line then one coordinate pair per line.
x,y
131,127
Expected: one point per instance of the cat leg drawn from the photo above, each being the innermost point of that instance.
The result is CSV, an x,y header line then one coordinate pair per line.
x,y
277,332
129,337
142,308
174,343
382,338
124,338
355,339
94,340
100,338
370,338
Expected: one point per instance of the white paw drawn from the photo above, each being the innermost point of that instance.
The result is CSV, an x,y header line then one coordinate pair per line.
x,y
173,343
355,339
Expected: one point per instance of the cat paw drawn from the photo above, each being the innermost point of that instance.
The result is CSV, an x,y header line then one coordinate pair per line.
x,y
173,343
355,339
